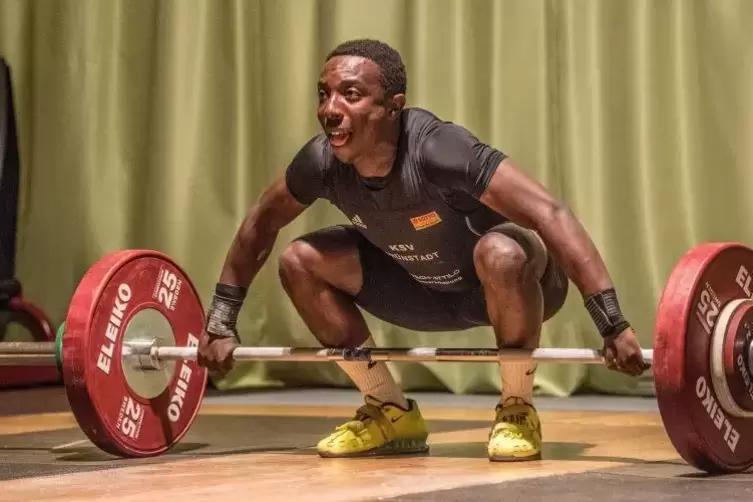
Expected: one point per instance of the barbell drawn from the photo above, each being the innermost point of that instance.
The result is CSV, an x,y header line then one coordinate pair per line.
x,y
127,351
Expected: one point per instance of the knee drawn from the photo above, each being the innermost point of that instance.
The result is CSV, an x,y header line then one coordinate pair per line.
x,y
500,257
296,261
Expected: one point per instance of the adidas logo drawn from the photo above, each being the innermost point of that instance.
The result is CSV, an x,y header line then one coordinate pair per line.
x,y
357,221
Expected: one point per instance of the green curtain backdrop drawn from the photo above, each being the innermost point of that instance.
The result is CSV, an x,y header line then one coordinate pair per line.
x,y
154,124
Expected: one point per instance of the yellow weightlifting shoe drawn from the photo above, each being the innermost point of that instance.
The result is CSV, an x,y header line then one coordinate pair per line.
x,y
516,434
378,429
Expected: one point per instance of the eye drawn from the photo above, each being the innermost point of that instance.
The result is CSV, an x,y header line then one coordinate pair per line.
x,y
352,94
322,95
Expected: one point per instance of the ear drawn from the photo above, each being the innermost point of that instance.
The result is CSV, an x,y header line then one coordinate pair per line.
x,y
397,103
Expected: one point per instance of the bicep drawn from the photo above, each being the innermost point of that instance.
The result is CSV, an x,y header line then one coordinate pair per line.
x,y
519,197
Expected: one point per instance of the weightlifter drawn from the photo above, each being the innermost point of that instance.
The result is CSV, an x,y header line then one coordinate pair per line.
x,y
447,233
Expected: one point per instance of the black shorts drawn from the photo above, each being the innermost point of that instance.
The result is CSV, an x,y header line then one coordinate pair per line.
x,y
390,293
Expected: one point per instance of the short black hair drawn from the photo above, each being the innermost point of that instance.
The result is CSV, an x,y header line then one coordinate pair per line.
x,y
393,76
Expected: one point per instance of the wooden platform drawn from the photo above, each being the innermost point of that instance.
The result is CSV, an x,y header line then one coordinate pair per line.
x,y
253,452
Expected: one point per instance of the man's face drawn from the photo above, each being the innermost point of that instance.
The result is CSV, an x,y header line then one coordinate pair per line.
x,y
353,110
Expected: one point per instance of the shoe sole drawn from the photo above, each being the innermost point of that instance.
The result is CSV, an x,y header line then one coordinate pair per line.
x,y
392,448
512,458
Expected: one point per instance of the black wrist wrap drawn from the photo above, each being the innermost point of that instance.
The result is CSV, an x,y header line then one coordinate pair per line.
x,y
605,312
224,309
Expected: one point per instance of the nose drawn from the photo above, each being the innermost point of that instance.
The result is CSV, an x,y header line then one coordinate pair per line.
x,y
331,114
332,118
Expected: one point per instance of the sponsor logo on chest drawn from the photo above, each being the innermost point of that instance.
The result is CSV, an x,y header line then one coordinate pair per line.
x,y
425,220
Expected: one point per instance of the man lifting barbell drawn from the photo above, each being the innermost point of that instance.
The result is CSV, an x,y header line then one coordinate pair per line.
x,y
128,353
447,234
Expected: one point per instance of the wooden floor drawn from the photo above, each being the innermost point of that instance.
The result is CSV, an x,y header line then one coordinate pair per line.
x,y
251,452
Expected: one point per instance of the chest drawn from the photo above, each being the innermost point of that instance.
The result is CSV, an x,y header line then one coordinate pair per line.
x,y
408,221
407,215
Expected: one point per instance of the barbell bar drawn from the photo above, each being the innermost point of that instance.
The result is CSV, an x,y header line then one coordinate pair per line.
x,y
43,353
418,354
128,355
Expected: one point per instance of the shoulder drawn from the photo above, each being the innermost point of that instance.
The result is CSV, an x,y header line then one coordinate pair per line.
x,y
452,157
424,132
315,153
430,137
447,142
418,121
306,175
447,145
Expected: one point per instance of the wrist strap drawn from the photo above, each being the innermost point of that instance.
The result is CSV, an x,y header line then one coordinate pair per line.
x,y
605,312
230,293
222,317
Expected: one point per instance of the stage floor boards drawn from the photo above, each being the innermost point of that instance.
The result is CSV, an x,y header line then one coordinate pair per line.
x,y
259,446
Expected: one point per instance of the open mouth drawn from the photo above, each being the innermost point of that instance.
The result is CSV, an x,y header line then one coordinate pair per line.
x,y
338,138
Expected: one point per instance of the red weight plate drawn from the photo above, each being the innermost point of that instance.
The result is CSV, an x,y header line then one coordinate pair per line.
x,y
111,293
32,318
736,342
701,284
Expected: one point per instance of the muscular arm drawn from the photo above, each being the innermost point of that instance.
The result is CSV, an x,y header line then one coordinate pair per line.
x,y
286,198
257,234
511,192
523,200
456,159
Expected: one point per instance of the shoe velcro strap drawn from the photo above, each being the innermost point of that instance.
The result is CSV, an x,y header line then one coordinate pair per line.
x,y
376,414
514,418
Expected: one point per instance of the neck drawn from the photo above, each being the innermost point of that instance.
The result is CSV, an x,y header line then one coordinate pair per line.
x,y
381,159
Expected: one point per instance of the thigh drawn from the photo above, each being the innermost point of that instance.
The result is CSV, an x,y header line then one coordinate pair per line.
x,y
390,293
331,254
554,287
532,245
554,282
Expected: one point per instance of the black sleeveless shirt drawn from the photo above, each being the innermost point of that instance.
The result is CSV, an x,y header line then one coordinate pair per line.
x,y
425,213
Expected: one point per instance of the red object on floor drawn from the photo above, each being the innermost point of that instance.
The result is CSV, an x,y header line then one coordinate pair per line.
x,y
36,322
